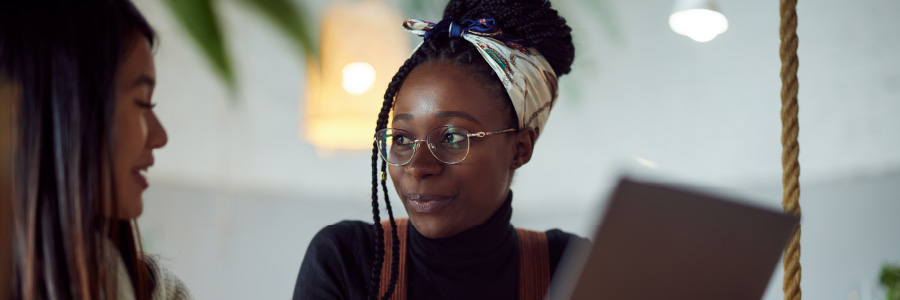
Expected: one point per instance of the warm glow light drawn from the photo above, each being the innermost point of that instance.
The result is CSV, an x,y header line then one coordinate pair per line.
x,y
361,47
358,78
701,25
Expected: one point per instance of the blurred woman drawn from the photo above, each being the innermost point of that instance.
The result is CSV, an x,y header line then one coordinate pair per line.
x,y
78,78
465,111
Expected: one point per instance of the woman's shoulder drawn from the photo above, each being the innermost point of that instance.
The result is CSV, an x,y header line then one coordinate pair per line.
x,y
558,241
345,227
336,263
167,286
344,242
559,238
343,233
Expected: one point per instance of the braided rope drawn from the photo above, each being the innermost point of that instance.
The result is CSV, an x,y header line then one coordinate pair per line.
x,y
790,147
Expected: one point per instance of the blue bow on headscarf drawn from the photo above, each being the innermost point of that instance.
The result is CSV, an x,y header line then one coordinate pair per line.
x,y
455,30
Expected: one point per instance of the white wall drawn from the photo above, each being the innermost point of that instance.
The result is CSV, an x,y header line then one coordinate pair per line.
x,y
236,195
245,246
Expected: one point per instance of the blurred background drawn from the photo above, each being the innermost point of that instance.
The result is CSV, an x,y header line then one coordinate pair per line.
x,y
257,162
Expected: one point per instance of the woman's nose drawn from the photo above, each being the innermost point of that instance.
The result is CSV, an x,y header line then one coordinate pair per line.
x,y
423,164
157,136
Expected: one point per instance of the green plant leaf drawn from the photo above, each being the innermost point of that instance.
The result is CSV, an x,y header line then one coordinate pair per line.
x,y
201,22
890,279
291,19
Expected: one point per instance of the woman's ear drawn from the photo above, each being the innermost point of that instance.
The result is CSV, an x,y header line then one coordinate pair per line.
x,y
524,146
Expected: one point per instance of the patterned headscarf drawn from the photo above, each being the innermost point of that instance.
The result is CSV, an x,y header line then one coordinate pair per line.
x,y
527,76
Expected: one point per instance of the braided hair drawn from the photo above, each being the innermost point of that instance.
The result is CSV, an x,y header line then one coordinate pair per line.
x,y
534,21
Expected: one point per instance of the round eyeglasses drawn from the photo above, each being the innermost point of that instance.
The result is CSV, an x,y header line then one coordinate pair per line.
x,y
448,144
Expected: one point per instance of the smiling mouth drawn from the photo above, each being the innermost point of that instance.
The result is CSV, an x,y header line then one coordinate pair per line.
x,y
427,204
140,175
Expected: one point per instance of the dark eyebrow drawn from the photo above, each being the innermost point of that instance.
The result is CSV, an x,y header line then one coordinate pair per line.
x,y
456,114
403,117
144,79
441,114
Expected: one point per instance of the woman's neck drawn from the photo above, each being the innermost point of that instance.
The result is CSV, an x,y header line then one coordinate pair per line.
x,y
494,237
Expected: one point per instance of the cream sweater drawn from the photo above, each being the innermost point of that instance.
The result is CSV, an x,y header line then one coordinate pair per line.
x,y
168,286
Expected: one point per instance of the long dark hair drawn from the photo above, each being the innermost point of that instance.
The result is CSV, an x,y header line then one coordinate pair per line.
x,y
64,56
531,20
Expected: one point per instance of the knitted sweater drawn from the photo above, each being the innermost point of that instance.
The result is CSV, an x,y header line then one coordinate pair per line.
x,y
168,286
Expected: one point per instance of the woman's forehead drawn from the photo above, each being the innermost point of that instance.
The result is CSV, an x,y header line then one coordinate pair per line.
x,y
443,90
137,63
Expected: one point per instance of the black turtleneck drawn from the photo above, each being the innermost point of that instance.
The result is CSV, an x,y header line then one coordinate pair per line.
x,y
479,263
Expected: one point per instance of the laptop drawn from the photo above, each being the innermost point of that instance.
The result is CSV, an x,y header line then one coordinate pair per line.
x,y
660,241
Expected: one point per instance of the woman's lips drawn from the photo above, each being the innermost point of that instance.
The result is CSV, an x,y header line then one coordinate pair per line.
x,y
427,204
140,178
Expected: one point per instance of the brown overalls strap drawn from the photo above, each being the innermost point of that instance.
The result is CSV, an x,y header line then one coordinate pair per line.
x,y
400,288
534,263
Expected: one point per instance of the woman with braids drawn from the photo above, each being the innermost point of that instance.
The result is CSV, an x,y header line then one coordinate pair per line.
x,y
76,81
465,111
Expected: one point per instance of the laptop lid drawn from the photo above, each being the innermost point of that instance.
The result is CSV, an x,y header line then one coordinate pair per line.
x,y
663,242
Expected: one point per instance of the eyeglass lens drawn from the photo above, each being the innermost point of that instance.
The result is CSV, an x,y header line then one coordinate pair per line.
x,y
447,143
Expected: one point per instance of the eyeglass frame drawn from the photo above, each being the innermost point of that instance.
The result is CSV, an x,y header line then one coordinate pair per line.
x,y
416,142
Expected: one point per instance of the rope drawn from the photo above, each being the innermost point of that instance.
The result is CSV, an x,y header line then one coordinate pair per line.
x,y
790,147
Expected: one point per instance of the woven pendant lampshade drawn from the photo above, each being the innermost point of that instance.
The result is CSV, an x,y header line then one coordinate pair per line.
x,y
362,45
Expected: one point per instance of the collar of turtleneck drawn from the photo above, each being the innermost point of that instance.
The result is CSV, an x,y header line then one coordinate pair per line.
x,y
480,246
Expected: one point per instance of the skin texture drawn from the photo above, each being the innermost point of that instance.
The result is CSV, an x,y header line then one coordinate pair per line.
x,y
442,93
136,130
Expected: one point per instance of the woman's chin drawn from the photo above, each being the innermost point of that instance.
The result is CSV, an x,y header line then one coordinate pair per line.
x,y
433,227
128,208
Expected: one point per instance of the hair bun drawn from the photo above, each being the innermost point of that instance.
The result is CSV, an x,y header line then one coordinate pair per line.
x,y
532,20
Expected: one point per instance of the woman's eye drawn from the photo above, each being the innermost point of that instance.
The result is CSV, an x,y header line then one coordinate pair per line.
x,y
145,104
453,138
402,140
